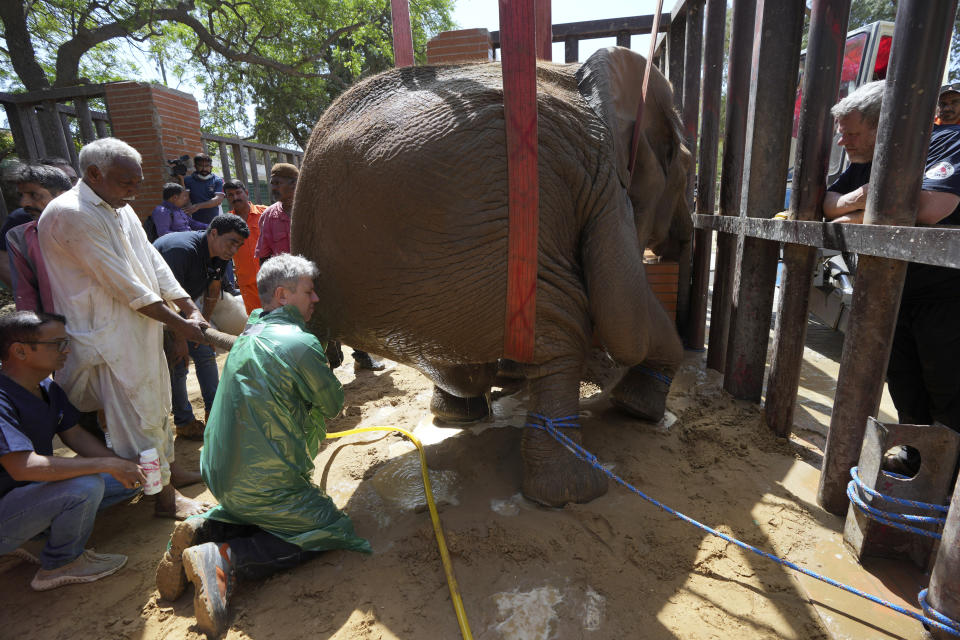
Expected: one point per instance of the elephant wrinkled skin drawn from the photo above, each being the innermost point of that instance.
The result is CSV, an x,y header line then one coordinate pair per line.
x,y
402,203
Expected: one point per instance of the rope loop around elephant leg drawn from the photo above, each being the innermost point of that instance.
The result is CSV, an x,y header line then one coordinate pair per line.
x,y
653,374
553,426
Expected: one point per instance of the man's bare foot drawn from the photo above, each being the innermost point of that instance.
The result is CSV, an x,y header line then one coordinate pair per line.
x,y
180,477
173,504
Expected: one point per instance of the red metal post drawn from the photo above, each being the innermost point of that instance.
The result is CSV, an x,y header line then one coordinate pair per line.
x,y
518,52
544,22
402,34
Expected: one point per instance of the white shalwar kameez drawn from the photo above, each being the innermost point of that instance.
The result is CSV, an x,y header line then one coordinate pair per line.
x,y
102,270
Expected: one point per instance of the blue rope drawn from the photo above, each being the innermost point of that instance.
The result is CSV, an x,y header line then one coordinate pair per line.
x,y
855,474
653,374
548,425
936,615
890,518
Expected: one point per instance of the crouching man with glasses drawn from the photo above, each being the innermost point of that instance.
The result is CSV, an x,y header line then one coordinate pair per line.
x,y
41,493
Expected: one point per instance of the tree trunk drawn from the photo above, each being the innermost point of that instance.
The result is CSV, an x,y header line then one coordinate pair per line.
x,y
20,46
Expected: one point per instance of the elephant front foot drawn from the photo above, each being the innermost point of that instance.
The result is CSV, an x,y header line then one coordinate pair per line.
x,y
642,393
552,476
447,407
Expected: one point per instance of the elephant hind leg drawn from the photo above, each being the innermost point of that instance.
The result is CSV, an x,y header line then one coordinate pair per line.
x,y
552,475
461,393
447,407
642,393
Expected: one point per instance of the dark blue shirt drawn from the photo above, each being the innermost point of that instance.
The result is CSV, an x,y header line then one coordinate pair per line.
x,y
16,218
924,282
188,256
202,190
28,423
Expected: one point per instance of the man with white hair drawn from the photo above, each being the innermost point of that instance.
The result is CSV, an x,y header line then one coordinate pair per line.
x,y
265,428
112,285
922,373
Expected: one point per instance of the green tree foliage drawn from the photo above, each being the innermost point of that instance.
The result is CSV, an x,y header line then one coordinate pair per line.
x,y
287,58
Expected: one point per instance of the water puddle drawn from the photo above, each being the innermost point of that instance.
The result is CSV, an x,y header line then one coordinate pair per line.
x,y
528,615
400,484
509,507
593,608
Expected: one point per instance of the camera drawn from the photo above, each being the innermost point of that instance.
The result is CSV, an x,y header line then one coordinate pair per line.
x,y
178,166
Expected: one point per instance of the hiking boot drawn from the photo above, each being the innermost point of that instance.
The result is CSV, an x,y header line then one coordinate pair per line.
x,y
213,580
171,579
363,360
191,430
89,566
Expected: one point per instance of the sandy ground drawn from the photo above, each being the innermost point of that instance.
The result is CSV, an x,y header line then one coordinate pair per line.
x,y
614,568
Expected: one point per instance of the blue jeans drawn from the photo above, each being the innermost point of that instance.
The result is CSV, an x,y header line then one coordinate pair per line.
x,y
66,509
205,364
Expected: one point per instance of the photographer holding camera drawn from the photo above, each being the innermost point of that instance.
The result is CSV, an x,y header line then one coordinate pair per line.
x,y
178,168
206,190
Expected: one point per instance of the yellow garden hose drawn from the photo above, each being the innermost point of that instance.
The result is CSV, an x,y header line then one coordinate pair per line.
x,y
434,517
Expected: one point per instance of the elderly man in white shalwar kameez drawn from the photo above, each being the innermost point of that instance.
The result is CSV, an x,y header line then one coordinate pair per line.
x,y
111,284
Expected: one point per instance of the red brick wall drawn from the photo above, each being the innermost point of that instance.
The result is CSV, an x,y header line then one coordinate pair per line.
x,y
664,278
161,124
465,45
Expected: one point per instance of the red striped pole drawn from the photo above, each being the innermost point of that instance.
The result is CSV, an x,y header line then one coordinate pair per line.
x,y
402,35
518,50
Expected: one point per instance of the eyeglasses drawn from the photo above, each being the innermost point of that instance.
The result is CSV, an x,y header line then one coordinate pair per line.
x,y
62,343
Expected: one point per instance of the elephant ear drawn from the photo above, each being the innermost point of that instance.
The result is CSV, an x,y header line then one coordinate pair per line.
x,y
611,81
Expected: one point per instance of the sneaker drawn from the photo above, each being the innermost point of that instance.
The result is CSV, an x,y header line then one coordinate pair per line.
x,y
171,580
213,582
30,551
18,556
89,566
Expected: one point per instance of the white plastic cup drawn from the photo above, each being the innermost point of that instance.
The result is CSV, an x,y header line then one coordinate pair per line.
x,y
150,463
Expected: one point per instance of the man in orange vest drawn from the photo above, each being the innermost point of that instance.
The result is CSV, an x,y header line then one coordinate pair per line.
x,y
245,264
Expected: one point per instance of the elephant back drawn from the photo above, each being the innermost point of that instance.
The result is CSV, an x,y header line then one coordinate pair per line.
x,y
402,203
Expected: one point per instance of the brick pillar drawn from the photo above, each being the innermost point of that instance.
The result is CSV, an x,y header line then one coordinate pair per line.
x,y
161,124
465,45
664,279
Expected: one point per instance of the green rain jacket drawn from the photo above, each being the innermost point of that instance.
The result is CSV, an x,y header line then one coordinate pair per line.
x,y
264,431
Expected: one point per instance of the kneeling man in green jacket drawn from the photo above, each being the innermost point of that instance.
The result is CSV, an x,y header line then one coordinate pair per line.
x,y
265,427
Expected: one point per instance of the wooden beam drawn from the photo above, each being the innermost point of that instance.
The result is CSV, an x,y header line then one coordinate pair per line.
x,y
939,245
607,28
62,93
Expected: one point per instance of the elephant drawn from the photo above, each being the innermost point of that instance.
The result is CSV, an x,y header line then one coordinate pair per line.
x,y
402,204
